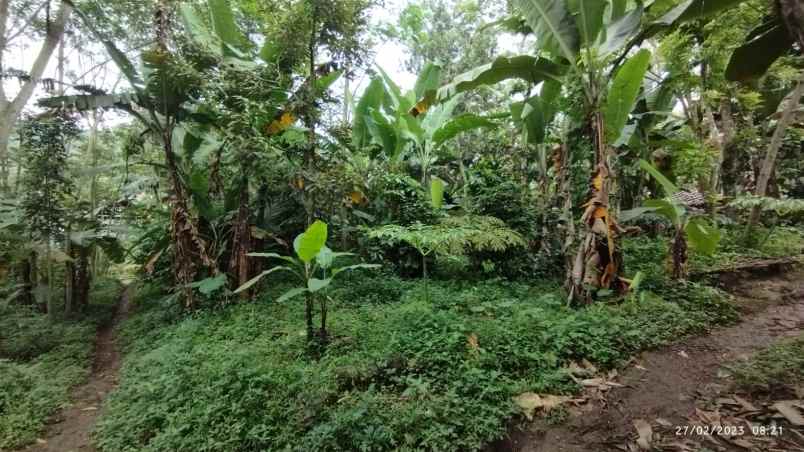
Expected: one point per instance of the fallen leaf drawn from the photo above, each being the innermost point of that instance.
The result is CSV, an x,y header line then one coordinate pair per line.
x,y
663,422
748,406
645,433
789,411
596,382
529,402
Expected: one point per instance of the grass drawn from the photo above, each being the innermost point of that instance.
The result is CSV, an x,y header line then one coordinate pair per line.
x,y
400,374
40,360
779,365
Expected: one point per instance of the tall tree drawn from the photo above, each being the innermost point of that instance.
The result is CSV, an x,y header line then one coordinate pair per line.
x,y
10,108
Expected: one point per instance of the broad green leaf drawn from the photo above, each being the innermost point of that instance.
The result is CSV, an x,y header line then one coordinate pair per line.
x,y
631,214
291,293
617,9
315,284
553,26
533,120
458,125
623,93
436,192
210,285
310,242
224,24
371,100
666,209
428,80
551,90
382,132
669,187
255,279
702,237
197,29
588,17
620,31
763,46
392,90
325,257
322,84
525,67
288,259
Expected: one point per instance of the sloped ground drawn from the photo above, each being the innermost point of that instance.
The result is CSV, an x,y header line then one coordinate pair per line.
x,y
70,429
681,398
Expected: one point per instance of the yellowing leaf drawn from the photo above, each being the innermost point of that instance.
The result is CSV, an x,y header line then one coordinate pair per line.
x,y
357,197
597,181
420,108
600,212
279,125
529,402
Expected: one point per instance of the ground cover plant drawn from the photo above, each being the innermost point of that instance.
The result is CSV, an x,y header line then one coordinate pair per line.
x,y
40,362
400,373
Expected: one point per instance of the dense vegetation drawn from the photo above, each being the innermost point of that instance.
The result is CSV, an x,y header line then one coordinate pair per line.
x,y
326,253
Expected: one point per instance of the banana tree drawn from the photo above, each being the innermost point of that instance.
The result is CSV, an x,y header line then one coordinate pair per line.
x,y
576,41
166,98
387,117
313,267
688,225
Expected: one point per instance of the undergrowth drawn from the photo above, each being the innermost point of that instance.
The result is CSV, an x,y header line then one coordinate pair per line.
x,y
400,373
779,365
40,360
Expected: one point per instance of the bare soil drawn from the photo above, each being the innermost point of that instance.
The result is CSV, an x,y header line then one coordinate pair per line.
x,y
666,387
70,429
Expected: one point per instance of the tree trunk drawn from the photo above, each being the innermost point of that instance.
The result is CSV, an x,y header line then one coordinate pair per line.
x,y
69,275
597,263
92,150
308,315
83,279
10,110
678,252
241,241
773,149
27,276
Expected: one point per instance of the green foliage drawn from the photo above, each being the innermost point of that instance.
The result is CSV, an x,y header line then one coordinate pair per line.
x,y
773,368
40,360
453,236
623,93
400,373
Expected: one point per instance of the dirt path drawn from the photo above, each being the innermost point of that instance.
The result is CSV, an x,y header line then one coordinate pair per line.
x,y
668,385
70,429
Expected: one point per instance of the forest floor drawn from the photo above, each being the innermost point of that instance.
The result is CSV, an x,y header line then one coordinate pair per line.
x,y
668,398
71,428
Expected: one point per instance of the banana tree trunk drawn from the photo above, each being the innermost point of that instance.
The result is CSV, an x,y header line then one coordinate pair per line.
x,y
189,246
678,252
597,263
